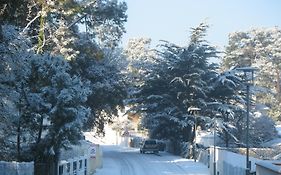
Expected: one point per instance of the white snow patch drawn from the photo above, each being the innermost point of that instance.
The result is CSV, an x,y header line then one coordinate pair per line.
x,y
127,161
278,128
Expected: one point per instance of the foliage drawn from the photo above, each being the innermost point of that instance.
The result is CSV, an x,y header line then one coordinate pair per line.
x,y
70,84
79,31
259,48
47,110
262,129
106,79
178,81
54,25
139,62
14,68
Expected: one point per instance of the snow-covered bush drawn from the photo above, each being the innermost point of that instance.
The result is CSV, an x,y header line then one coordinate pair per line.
x,y
262,129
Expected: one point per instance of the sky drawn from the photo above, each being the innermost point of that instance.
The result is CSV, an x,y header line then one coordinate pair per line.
x,y
172,20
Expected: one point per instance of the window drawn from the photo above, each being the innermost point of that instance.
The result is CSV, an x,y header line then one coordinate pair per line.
x,y
80,164
68,167
60,169
74,166
85,163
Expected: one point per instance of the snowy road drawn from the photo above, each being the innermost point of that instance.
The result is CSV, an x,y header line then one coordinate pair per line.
x,y
128,161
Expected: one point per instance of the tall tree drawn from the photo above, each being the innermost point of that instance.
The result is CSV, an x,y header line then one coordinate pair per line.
x,y
65,28
51,23
178,81
106,79
45,105
259,48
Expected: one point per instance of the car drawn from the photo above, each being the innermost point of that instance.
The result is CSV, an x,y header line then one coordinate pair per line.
x,y
149,145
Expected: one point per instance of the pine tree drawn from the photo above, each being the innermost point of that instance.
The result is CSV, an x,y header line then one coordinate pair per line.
x,y
178,81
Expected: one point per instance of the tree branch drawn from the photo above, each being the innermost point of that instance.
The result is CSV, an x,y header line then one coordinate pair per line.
x,y
73,23
30,22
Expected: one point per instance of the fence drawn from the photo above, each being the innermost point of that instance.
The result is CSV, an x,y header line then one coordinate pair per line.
x,y
16,168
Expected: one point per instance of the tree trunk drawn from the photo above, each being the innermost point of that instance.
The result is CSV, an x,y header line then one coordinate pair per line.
x,y
54,161
40,130
41,34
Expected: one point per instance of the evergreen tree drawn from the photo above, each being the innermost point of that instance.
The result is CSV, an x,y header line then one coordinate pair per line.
x,y
44,106
179,81
65,28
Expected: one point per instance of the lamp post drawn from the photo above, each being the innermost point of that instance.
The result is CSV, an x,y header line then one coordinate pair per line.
x,y
215,128
226,118
249,78
193,111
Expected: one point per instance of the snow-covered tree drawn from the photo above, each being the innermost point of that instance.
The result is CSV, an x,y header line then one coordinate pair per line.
x,y
178,81
44,106
14,69
258,48
106,79
79,31
262,129
139,63
50,24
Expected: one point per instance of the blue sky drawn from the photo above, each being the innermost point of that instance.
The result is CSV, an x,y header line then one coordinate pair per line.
x,y
171,20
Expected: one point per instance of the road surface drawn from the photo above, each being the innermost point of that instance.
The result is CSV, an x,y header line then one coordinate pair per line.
x,y
128,161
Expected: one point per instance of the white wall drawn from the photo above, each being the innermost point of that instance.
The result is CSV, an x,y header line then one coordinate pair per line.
x,y
16,168
84,157
229,163
268,168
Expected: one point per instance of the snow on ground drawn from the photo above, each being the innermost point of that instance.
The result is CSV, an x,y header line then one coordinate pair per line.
x,y
278,128
128,161
110,138
119,159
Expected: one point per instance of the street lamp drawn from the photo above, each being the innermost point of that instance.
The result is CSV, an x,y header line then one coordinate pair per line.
x,y
249,78
214,156
193,111
226,118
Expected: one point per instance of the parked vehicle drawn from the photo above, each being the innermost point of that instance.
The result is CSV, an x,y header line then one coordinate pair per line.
x,y
149,145
161,145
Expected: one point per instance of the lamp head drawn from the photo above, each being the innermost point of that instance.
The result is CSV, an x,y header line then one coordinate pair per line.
x,y
248,73
193,109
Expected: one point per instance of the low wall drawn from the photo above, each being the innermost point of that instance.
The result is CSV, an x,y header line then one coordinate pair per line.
x,y
204,157
16,168
230,163
81,159
268,168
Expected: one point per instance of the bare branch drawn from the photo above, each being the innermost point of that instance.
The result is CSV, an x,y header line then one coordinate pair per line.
x,y
73,23
30,22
